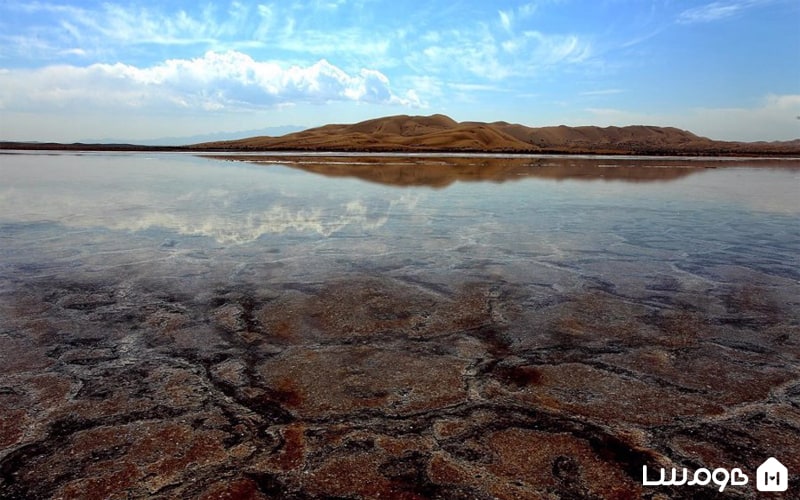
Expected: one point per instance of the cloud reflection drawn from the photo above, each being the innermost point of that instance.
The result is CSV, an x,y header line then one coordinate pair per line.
x,y
241,203
225,221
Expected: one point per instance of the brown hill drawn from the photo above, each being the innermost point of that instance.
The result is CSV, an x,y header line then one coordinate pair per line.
x,y
439,133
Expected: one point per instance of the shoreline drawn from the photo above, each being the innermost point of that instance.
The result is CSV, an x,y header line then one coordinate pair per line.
x,y
388,151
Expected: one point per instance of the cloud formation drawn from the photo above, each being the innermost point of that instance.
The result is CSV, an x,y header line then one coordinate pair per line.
x,y
497,52
716,11
215,81
495,48
531,61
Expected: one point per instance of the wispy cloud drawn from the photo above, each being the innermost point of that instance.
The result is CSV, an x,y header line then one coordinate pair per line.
x,y
506,19
527,10
477,87
356,42
117,31
485,48
487,54
601,92
141,25
716,11
215,81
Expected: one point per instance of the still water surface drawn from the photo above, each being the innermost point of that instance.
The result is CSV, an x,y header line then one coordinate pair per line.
x,y
630,300
441,214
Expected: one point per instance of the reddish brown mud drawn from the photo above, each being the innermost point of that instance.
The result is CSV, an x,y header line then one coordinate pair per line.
x,y
369,385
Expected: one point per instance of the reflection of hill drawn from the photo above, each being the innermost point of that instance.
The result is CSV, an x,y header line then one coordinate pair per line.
x,y
440,172
439,133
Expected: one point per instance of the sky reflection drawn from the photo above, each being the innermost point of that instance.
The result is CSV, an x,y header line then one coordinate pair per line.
x,y
235,203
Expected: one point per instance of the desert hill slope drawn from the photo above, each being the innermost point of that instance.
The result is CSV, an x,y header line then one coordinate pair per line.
x,y
439,133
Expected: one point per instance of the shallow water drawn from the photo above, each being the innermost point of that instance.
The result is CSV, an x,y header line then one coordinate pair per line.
x,y
353,326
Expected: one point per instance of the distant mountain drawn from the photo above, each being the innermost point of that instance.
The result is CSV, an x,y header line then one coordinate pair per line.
x,y
440,133
194,139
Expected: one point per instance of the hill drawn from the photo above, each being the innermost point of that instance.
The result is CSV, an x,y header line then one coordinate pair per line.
x,y
440,133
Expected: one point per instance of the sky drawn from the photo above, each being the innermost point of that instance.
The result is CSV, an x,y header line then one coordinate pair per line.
x,y
726,69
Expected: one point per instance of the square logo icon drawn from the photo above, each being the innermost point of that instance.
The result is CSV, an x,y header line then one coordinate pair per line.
x,y
772,476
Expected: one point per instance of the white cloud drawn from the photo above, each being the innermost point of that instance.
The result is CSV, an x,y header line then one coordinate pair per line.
x,y
217,80
783,102
600,92
112,29
506,18
716,11
493,49
114,22
476,87
427,85
774,119
495,56
529,9
355,42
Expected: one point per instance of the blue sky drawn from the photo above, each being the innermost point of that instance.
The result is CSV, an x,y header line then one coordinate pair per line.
x,y
727,69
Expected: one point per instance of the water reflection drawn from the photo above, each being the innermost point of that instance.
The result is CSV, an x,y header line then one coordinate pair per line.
x,y
235,203
187,195
440,172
